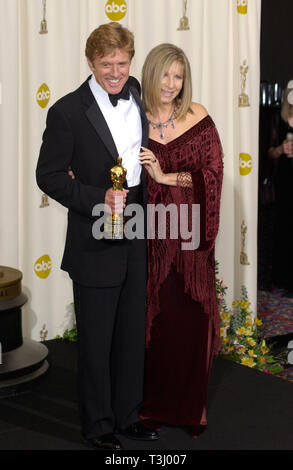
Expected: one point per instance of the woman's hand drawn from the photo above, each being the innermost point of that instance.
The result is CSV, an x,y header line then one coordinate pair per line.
x,y
151,164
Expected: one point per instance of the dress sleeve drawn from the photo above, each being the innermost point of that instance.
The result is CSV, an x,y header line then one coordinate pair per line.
x,y
207,185
184,179
202,184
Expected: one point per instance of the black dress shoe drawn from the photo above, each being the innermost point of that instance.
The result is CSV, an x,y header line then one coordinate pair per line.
x,y
106,441
140,432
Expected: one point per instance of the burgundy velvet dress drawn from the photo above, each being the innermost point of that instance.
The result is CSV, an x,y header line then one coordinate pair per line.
x,y
182,327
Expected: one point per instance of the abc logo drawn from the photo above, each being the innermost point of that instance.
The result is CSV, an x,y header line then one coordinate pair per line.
x,y
43,95
115,9
245,164
43,266
242,6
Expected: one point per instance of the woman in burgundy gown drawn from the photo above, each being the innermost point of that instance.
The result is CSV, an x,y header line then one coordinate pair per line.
x,y
183,168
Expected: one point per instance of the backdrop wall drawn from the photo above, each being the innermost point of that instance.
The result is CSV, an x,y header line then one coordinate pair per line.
x,y
222,43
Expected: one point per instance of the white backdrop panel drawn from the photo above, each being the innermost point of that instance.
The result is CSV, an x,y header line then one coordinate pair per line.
x,y
37,69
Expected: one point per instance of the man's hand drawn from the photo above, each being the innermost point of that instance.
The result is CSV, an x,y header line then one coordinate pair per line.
x,y
116,200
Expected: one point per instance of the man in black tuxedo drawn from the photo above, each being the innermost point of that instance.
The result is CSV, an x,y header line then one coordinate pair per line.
x,y
86,131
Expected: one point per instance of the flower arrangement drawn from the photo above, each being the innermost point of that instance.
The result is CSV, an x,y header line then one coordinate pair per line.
x,y
69,335
241,340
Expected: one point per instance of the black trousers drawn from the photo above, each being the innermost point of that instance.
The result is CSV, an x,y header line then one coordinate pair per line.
x,y
111,343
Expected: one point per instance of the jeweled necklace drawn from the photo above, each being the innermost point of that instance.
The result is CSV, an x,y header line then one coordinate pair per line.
x,y
161,125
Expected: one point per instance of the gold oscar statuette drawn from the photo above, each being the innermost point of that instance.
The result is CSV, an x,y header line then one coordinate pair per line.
x,y
114,226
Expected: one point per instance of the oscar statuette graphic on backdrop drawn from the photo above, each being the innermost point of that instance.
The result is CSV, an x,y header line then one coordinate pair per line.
x,y
243,99
184,22
43,28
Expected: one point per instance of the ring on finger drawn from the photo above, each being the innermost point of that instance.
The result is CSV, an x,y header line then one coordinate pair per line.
x,y
154,160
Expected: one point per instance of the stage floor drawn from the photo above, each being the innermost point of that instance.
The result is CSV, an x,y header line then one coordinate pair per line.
x,y
247,410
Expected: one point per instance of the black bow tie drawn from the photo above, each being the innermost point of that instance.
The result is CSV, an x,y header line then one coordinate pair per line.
x,y
124,94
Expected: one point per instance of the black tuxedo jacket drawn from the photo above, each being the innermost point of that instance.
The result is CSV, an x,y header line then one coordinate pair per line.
x,y
77,137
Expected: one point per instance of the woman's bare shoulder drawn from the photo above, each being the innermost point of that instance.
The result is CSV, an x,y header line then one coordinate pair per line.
x,y
199,112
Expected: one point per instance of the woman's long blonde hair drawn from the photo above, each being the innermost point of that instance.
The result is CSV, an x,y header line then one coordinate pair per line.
x,y
157,62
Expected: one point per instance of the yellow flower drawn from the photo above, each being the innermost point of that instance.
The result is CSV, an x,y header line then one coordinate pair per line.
x,y
248,332
248,322
251,342
222,332
244,331
226,318
244,304
251,353
264,349
241,331
240,349
248,362
257,322
235,303
226,339
262,360
230,348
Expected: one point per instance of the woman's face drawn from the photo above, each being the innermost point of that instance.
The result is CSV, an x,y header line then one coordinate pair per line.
x,y
172,83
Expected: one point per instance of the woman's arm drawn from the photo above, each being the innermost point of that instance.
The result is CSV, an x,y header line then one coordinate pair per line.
x,y
150,162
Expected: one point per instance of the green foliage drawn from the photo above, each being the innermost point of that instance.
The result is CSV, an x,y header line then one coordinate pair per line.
x,y
241,340
69,335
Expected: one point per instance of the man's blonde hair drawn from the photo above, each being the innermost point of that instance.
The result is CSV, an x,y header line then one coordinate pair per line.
x,y
108,37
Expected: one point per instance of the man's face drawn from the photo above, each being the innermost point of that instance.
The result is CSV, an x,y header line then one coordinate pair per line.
x,y
112,70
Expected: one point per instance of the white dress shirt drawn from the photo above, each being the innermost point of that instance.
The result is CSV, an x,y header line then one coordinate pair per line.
x,y
124,122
